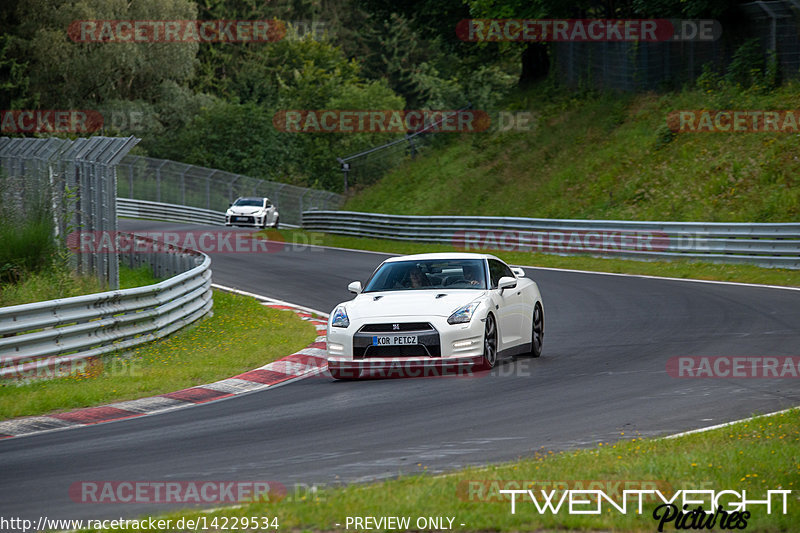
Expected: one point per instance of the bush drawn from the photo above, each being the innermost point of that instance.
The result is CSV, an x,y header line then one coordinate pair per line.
x,y
27,247
752,68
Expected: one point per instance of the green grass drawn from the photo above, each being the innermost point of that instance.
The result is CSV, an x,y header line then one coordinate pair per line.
x,y
47,284
757,455
241,335
136,277
59,282
25,246
606,157
673,269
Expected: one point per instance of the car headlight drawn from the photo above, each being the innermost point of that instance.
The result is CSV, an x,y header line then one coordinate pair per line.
x,y
463,314
340,319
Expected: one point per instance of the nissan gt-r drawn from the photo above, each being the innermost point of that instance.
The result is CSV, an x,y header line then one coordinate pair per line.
x,y
439,310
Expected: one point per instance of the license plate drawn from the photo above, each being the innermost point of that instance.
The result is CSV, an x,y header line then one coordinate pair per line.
x,y
393,340
240,219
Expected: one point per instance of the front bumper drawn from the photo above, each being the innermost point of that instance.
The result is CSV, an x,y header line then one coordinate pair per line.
x,y
244,220
441,349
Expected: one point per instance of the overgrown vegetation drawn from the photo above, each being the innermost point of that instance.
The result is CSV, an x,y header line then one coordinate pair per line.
x,y
606,156
212,103
28,247
59,281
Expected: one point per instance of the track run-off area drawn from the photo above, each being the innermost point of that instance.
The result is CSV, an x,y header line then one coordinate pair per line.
x,y
608,340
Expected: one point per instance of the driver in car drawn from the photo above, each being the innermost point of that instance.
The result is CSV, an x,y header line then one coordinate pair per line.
x,y
470,274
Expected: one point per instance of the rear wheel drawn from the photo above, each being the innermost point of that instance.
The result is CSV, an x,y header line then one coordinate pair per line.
x,y
277,219
537,333
490,343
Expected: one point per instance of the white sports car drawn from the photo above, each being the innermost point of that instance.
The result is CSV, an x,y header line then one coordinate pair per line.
x,y
442,310
253,211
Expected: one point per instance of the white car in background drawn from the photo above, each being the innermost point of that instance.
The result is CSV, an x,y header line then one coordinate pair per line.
x,y
254,211
449,309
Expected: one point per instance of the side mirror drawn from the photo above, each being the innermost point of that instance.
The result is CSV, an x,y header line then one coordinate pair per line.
x,y
354,287
506,282
230,204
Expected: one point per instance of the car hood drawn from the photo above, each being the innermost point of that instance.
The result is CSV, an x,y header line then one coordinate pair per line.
x,y
244,210
434,302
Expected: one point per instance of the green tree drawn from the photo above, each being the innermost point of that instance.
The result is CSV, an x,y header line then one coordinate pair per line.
x,y
64,73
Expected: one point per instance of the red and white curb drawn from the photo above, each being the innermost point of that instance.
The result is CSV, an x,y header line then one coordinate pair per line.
x,y
310,361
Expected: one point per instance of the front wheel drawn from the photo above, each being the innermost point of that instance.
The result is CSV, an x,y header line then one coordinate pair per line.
x,y
490,343
537,333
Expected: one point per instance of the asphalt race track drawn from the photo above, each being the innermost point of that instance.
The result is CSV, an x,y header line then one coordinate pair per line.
x,y
603,371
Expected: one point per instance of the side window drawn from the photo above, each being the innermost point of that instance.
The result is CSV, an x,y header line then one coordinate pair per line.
x,y
498,270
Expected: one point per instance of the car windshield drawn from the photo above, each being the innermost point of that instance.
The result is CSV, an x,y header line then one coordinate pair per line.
x,y
248,202
428,274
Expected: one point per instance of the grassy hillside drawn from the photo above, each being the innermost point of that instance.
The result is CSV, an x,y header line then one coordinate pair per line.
x,y
608,157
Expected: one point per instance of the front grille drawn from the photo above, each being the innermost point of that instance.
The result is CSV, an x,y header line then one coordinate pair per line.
x,y
427,337
390,327
414,350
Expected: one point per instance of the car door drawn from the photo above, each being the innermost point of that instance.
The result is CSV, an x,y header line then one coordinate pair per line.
x,y
509,306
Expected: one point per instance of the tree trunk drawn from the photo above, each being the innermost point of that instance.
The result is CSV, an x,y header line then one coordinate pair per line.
x,y
535,64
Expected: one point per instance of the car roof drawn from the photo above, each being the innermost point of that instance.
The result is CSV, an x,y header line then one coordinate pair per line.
x,y
261,198
440,256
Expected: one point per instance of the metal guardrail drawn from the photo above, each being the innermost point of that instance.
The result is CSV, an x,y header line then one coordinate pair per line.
x,y
768,245
127,207
165,181
39,337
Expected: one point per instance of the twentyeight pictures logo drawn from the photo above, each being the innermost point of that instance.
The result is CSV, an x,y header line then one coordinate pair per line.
x,y
176,31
